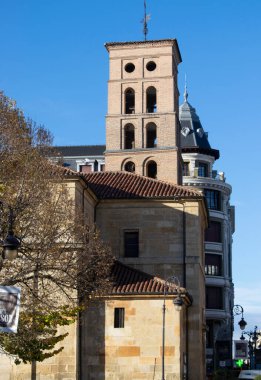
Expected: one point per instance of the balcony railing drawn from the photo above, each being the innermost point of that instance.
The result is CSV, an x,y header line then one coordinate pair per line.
x,y
214,174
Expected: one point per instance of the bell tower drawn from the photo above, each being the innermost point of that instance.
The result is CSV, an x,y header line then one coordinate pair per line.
x,y
142,123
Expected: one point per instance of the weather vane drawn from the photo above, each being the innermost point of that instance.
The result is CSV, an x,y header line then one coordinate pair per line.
x,y
145,22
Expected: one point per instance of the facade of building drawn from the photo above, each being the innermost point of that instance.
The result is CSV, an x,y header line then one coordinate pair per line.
x,y
155,228
84,159
198,160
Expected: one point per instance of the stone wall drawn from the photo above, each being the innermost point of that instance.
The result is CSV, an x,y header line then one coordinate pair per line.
x,y
59,367
165,248
135,351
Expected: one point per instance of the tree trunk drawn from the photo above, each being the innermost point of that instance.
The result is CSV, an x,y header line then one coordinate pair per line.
x,y
33,370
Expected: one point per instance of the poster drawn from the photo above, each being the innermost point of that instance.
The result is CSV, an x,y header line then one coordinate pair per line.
x,y
9,308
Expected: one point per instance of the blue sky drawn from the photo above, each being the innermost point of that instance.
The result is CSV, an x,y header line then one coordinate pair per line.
x,y
54,64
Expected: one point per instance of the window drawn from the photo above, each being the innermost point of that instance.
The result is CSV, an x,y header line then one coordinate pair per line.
x,y
151,140
186,169
210,333
213,265
202,169
129,67
152,169
119,313
129,101
151,66
229,260
131,243
151,100
102,167
129,136
213,232
214,297
95,166
129,167
85,168
213,199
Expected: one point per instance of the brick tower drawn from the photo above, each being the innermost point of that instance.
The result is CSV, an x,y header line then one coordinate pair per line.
x,y
142,127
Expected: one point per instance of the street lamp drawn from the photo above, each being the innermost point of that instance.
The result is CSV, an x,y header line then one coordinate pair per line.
x,y
11,243
178,303
237,310
253,337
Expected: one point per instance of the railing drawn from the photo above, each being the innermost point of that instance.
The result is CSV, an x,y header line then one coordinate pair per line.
x,y
219,176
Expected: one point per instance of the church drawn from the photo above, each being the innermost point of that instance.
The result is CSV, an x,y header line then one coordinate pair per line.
x,y
154,226
152,322
198,172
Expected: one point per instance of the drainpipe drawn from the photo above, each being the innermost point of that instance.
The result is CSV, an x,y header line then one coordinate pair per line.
x,y
78,328
184,274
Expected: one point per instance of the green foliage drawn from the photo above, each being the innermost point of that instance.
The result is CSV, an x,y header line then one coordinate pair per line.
x,y
37,335
258,377
224,374
61,258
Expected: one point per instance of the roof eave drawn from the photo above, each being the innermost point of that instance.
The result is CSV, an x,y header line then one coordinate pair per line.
x,y
173,41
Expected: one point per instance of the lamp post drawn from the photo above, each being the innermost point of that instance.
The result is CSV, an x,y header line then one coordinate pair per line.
x,y
178,303
10,243
237,310
253,337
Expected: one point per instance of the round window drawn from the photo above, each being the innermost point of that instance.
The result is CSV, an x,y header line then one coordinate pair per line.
x,y
151,66
129,67
129,167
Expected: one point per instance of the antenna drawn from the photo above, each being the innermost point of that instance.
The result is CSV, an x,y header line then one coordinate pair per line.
x,y
145,21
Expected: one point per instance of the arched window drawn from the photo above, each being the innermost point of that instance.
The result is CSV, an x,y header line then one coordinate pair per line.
x,y
151,100
129,167
152,169
129,136
129,101
151,135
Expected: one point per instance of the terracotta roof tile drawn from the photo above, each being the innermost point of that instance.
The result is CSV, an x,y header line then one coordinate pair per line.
x,y
127,280
125,185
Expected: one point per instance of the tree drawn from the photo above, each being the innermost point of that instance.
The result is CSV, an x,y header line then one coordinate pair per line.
x,y
62,262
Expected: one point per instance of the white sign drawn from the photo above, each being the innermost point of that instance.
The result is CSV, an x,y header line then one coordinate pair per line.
x,y
9,308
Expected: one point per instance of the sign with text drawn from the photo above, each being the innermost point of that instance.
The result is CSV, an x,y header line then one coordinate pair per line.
x,y
9,308
240,349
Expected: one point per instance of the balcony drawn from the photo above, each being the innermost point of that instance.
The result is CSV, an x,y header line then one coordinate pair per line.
x,y
214,174
214,179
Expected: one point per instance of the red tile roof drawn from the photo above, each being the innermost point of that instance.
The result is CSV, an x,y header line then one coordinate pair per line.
x,y
125,185
127,280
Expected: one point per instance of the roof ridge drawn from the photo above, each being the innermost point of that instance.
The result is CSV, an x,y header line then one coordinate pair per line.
x,y
76,146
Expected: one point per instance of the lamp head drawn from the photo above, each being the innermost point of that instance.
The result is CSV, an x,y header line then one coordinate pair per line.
x,y
242,324
178,303
10,246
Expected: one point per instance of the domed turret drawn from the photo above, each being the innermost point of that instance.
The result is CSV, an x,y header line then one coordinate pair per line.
x,y
193,137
